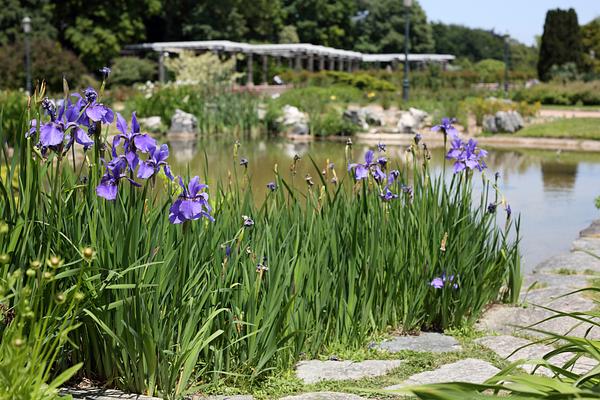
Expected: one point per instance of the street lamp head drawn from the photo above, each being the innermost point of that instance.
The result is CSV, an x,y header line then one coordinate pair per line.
x,y
26,23
408,3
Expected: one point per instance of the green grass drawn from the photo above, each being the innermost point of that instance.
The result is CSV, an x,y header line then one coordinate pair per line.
x,y
581,107
567,128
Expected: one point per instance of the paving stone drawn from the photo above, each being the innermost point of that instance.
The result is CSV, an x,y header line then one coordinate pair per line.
x,y
324,396
576,261
103,394
569,282
591,231
469,370
587,244
315,371
508,320
506,345
556,297
425,342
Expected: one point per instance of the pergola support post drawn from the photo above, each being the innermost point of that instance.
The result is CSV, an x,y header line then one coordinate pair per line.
x,y
265,69
249,69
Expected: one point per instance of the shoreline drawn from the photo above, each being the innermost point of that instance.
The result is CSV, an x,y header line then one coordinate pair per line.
x,y
436,140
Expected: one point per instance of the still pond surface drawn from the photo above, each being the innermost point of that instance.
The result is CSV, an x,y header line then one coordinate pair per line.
x,y
553,191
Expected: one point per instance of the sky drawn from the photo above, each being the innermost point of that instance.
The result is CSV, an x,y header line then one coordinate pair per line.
x,y
521,19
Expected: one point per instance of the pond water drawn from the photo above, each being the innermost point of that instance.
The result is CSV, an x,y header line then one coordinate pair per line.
x,y
553,191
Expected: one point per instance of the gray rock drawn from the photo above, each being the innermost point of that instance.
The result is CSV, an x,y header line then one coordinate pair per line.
x,y
576,261
425,342
469,370
294,121
315,371
411,121
489,124
544,281
592,231
152,124
182,122
513,349
324,396
587,244
357,117
103,394
505,319
509,121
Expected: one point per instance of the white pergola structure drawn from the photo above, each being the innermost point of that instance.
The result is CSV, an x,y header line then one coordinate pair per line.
x,y
299,55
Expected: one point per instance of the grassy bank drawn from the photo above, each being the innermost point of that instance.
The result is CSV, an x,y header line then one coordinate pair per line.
x,y
567,128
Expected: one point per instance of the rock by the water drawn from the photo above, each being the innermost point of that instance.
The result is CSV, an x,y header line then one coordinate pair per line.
x,y
506,347
357,117
469,370
294,121
315,371
489,124
592,231
411,121
152,124
589,244
425,342
576,261
509,121
182,123
324,396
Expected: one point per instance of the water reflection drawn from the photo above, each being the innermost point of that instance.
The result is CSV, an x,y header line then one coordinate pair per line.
x,y
558,176
554,194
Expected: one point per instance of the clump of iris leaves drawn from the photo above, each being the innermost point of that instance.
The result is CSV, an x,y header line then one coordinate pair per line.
x,y
115,268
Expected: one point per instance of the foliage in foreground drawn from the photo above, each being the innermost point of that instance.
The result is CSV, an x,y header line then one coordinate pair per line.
x,y
564,382
171,302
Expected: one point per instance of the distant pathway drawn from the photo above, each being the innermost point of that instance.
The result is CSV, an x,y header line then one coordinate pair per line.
x,y
566,113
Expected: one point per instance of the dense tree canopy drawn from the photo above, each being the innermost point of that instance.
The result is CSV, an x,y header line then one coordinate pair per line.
x,y
96,30
561,41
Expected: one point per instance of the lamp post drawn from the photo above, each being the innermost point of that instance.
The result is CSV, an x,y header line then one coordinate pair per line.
x,y
26,23
506,64
405,83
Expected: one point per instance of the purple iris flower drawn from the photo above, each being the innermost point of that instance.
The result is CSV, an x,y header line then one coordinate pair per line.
x,y
109,183
361,171
381,147
491,208
508,210
394,174
157,159
418,138
272,186
382,161
248,222
95,111
447,128
32,128
437,283
133,140
387,194
244,162
378,174
105,71
466,155
54,133
192,203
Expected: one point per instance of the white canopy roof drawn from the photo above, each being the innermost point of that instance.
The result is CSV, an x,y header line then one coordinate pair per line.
x,y
285,50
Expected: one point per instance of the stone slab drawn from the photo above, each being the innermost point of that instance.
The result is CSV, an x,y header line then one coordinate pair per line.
x,y
425,342
314,371
223,397
568,282
508,320
469,370
506,347
587,244
103,394
592,231
576,261
324,396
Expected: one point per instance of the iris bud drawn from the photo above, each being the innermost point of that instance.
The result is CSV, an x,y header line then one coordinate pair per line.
x,y
88,253
35,264
18,342
30,272
60,298
4,258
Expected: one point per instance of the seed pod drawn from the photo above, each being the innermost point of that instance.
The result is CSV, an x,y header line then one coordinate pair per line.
x,y
4,258
88,253
60,298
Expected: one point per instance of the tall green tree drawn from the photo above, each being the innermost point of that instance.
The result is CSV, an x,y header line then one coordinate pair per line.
x,y
590,42
561,41
12,13
382,28
97,29
324,22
